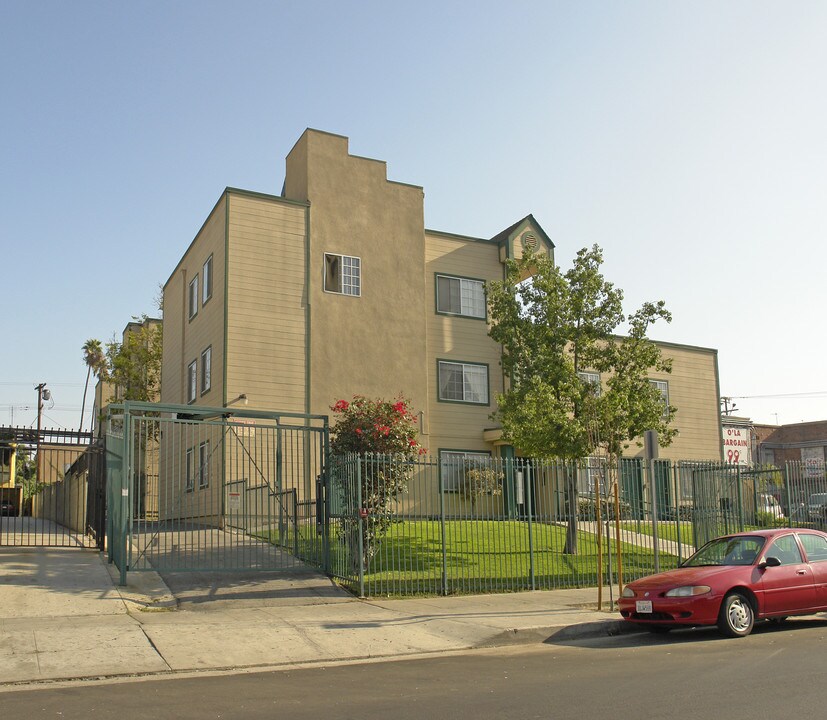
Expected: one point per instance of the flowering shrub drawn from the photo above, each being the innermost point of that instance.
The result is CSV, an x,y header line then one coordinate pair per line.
x,y
381,436
375,426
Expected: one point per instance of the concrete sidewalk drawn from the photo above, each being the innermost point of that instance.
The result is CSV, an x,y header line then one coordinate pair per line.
x,y
62,616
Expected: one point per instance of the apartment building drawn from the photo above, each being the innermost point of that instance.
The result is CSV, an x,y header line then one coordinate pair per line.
x,y
335,287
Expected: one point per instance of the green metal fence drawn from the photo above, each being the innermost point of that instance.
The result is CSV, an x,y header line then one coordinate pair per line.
x,y
472,525
191,488
213,489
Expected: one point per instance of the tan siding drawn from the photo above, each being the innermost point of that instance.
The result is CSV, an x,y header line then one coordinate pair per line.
x,y
693,391
454,425
185,339
266,314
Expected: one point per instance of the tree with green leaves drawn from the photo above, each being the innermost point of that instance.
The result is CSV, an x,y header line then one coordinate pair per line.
x,y
134,364
555,329
95,360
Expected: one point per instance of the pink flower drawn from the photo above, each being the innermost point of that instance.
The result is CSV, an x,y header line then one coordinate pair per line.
x,y
341,406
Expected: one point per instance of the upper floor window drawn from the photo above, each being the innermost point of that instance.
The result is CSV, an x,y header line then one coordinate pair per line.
x,y
463,382
206,281
342,274
193,297
192,381
592,378
460,296
206,369
663,388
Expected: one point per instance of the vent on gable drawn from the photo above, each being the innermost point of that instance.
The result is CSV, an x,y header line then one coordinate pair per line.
x,y
529,240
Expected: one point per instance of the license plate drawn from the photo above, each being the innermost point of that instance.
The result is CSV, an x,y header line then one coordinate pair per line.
x,y
643,606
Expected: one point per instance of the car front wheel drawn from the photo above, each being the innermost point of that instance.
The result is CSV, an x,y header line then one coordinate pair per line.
x,y
736,617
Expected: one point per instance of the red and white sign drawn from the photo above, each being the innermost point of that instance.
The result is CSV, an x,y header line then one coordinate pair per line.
x,y
737,444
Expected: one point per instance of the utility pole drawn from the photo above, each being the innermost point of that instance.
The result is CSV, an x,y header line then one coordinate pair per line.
x,y
42,394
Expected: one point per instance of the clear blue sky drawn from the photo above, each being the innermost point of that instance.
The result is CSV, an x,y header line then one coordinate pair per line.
x,y
687,139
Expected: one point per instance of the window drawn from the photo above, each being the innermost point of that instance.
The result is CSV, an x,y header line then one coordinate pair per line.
x,y
193,301
206,367
206,281
189,478
454,463
460,296
204,464
663,388
463,382
786,550
342,274
591,378
591,476
192,384
815,546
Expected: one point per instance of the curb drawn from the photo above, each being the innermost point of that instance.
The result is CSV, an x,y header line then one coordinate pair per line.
x,y
577,631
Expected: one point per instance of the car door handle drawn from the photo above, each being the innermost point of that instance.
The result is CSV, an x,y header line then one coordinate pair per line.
x,y
800,572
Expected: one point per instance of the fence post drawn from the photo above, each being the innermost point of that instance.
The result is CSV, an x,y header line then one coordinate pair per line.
x,y
126,477
787,494
442,538
361,524
740,495
325,489
529,500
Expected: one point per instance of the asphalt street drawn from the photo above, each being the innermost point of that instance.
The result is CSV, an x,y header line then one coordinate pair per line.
x,y
695,674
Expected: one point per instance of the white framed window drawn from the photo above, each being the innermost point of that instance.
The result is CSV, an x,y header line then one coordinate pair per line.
x,y
189,478
192,381
342,274
460,296
206,281
663,388
193,297
463,382
454,463
591,476
591,378
206,369
204,464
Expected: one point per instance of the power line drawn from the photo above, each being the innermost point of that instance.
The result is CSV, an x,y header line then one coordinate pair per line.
x,y
816,394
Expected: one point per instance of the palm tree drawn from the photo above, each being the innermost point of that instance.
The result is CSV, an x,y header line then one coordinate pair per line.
x,y
95,360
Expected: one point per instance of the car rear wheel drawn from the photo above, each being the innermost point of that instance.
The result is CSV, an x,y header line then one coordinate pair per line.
x,y
736,617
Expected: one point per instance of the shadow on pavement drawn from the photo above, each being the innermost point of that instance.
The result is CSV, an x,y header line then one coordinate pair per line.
x,y
295,586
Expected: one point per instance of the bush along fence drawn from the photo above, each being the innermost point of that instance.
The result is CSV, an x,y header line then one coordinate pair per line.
x,y
463,523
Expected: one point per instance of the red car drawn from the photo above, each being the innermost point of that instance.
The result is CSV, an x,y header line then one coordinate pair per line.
x,y
733,581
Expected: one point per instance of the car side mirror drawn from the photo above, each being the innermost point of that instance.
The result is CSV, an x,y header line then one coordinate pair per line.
x,y
770,562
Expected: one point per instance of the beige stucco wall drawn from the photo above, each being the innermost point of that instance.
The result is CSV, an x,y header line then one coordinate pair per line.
x,y
453,425
266,313
372,344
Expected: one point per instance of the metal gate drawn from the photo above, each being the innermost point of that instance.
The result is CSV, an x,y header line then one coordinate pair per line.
x,y
47,486
207,489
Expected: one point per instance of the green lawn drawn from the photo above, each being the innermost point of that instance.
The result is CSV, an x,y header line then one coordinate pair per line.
x,y
480,556
672,531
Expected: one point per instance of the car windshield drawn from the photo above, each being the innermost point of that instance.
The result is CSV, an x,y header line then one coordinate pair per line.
x,y
818,498
741,550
